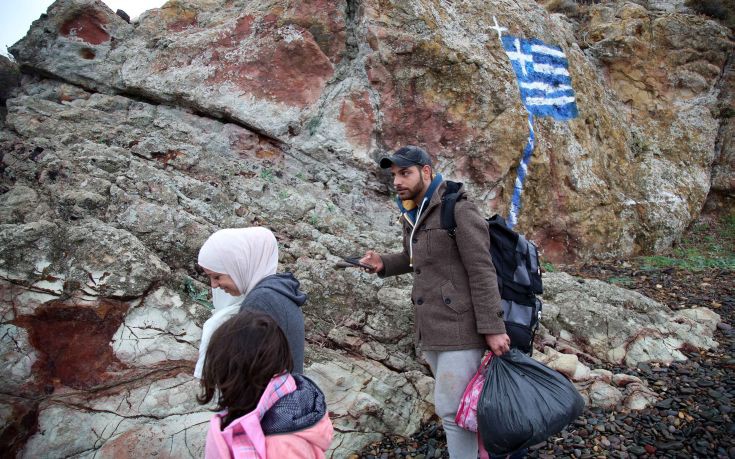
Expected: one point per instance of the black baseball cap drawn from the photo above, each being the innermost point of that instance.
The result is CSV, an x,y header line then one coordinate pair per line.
x,y
405,157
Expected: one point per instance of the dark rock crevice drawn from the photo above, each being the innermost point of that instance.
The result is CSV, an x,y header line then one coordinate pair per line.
x,y
721,195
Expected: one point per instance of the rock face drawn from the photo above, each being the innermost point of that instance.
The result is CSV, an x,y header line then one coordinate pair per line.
x,y
620,326
342,80
126,145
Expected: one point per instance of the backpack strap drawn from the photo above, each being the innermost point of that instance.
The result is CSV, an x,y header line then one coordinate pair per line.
x,y
449,199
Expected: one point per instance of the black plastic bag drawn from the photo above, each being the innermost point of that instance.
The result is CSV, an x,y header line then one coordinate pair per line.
x,y
523,402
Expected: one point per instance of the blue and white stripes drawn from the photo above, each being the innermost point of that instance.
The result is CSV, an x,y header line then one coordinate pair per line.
x,y
543,77
546,89
515,205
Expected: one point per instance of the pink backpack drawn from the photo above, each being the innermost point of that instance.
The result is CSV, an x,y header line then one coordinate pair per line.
x,y
243,437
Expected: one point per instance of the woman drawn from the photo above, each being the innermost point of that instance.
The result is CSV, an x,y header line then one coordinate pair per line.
x,y
243,261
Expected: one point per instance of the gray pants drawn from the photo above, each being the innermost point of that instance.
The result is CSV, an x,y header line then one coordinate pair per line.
x,y
452,372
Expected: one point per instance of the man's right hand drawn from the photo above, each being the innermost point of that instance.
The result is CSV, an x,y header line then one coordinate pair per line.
x,y
373,259
499,344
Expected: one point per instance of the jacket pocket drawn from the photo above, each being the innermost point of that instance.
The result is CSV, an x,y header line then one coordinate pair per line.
x,y
453,299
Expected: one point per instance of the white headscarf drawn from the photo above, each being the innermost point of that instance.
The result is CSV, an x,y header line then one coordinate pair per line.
x,y
247,255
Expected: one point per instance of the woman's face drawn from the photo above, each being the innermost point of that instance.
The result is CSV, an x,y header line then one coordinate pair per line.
x,y
222,281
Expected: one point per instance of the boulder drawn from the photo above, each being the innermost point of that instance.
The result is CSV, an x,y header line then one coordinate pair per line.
x,y
367,400
603,395
622,326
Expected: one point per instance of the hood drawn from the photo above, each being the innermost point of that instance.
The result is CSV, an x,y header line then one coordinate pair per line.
x,y
284,284
298,410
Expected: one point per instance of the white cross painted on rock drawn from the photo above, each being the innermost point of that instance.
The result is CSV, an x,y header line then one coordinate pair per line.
x,y
519,56
498,29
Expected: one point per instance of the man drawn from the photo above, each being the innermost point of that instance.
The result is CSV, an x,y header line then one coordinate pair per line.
x,y
455,292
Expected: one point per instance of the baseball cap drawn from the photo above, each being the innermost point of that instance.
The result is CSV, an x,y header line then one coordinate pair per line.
x,y
406,156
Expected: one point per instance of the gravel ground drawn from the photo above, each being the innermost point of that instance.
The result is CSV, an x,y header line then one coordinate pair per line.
x,y
694,417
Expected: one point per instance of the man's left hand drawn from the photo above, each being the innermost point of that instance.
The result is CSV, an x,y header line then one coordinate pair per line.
x,y
499,344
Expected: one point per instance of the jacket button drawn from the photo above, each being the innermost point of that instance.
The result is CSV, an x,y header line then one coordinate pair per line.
x,y
415,240
420,301
418,271
501,314
447,301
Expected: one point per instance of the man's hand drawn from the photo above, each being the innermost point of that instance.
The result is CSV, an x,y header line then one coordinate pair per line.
x,y
373,259
499,344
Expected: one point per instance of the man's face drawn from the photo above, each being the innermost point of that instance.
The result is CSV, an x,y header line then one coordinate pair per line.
x,y
409,182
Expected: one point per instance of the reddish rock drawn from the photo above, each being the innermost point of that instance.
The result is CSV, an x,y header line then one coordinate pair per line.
x,y
359,118
167,157
182,20
426,102
87,26
556,244
74,342
325,20
289,67
270,152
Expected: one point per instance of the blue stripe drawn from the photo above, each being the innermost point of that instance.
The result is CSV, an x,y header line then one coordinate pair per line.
x,y
515,206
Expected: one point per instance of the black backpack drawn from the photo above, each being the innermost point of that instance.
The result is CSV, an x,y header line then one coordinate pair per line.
x,y
518,271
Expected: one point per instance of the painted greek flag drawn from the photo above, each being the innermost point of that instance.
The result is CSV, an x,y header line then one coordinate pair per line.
x,y
543,76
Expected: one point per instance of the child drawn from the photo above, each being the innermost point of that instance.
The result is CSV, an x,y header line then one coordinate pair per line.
x,y
265,412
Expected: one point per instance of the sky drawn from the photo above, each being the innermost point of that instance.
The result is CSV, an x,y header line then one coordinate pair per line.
x,y
16,16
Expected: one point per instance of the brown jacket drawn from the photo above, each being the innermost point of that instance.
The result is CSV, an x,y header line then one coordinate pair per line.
x,y
455,291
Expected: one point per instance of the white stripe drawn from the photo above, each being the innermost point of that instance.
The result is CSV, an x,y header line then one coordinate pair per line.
x,y
520,56
519,184
548,51
550,69
524,166
547,88
549,101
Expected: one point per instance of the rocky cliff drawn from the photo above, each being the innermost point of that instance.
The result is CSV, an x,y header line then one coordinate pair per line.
x,y
124,145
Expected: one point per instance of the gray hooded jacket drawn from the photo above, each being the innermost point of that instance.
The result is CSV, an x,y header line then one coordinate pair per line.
x,y
278,295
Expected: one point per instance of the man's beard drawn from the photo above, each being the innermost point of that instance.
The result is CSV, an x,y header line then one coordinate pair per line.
x,y
416,191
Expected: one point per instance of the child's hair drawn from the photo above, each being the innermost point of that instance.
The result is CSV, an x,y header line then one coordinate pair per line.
x,y
243,355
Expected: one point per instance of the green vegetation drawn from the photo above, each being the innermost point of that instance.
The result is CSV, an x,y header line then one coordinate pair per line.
x,y
548,267
706,245
199,296
623,281
267,175
313,124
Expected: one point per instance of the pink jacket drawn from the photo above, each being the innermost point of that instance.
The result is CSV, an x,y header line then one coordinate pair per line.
x,y
243,438
309,443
